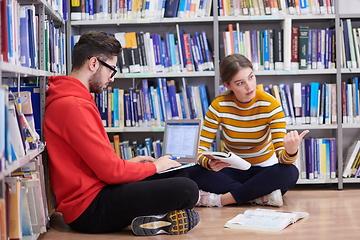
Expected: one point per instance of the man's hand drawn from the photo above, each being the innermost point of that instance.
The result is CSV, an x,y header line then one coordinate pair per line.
x,y
142,159
292,141
165,163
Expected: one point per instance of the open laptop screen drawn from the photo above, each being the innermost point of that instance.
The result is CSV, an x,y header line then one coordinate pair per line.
x,y
181,138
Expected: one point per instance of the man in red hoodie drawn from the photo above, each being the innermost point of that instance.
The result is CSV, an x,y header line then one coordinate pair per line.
x,y
95,190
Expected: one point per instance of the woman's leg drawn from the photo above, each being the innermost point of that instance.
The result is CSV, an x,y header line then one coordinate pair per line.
x,y
117,205
211,181
260,181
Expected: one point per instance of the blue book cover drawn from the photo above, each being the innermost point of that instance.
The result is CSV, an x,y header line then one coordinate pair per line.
x,y
314,102
200,51
356,97
127,110
147,105
158,94
309,151
132,112
346,44
135,106
32,47
327,105
115,115
182,8
172,97
266,50
167,109
165,57
173,54
333,157
155,105
207,51
24,37
149,148
303,103
171,8
157,52
314,48
316,158
182,104
309,53
204,99
254,49
195,55
3,129
140,111
307,104
182,44
200,41
161,98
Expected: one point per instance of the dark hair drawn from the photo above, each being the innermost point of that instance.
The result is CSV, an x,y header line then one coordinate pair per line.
x,y
230,66
94,44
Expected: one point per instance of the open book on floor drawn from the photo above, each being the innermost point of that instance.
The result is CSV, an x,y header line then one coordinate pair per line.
x,y
265,220
229,157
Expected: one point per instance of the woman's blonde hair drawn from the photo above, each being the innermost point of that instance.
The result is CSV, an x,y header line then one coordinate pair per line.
x,y
230,66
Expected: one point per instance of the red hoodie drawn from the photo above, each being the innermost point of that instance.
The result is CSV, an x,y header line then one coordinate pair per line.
x,y
81,158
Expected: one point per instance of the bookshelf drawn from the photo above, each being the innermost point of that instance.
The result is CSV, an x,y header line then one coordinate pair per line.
x,y
214,26
16,73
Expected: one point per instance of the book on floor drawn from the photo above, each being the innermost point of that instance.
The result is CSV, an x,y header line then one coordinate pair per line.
x,y
265,220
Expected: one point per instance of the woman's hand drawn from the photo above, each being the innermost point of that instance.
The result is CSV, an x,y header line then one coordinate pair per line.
x,y
216,164
292,141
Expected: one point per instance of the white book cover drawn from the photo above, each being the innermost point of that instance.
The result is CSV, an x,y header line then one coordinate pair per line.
x,y
265,220
287,43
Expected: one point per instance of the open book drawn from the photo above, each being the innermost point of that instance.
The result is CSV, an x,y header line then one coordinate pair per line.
x,y
265,220
230,157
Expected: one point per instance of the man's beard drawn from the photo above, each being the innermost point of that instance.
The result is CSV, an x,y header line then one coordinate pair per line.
x,y
95,83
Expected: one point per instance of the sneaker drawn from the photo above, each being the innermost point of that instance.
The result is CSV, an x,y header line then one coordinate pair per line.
x,y
272,199
174,223
207,199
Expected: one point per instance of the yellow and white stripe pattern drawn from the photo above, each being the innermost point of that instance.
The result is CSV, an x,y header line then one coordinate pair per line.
x,y
253,130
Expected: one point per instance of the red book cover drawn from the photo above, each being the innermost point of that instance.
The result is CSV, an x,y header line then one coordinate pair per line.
x,y
4,31
295,44
189,63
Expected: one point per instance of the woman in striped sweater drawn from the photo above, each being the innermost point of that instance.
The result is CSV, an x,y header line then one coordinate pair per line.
x,y
253,127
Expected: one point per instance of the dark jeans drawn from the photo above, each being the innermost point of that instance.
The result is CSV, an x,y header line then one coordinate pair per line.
x,y
246,185
117,205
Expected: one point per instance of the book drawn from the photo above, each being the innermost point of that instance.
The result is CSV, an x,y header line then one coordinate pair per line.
x,y
265,220
350,157
229,157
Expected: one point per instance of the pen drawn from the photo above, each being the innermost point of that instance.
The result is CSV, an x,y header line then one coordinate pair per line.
x,y
174,158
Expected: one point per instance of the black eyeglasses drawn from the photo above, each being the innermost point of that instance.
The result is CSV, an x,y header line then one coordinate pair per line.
x,y
108,66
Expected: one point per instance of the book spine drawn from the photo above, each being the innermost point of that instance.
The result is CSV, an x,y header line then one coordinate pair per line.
x,y
172,97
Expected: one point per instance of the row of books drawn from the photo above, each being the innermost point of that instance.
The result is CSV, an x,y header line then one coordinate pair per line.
x,y
350,101
313,103
129,149
18,135
151,105
350,46
275,7
352,161
20,39
151,53
26,208
138,9
317,158
310,48
149,147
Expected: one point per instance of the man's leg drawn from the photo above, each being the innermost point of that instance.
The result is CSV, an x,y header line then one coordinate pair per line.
x,y
117,205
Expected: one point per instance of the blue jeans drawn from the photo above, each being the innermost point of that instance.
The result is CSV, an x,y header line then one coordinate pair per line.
x,y
246,185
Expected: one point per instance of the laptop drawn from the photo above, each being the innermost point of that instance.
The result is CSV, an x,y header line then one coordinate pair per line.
x,y
181,140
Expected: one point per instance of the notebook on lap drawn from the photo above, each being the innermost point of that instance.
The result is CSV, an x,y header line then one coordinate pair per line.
x,y
181,139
